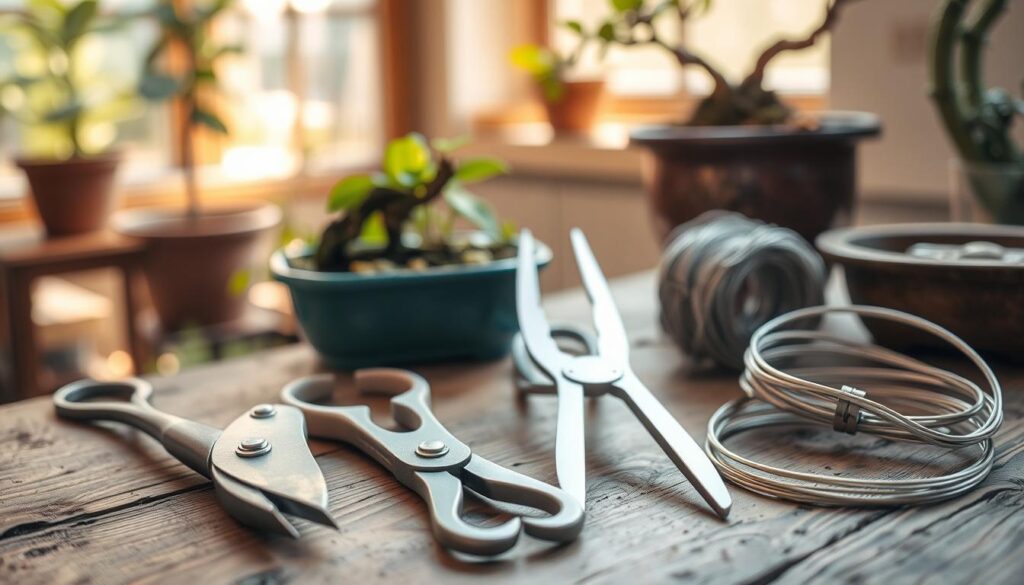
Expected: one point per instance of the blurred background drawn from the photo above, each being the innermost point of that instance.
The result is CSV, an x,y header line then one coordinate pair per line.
x,y
311,90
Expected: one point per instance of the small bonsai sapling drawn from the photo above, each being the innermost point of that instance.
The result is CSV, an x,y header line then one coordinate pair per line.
x,y
49,91
548,67
404,199
633,22
185,30
979,120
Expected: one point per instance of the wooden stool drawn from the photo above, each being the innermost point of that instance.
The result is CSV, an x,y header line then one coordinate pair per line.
x,y
27,255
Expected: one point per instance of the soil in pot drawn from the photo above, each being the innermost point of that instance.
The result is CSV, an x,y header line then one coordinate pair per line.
x,y
803,179
190,261
577,110
73,196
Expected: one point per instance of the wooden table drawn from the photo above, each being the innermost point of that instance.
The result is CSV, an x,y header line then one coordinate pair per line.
x,y
89,504
28,255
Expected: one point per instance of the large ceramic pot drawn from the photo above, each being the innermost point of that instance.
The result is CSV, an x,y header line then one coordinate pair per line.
x,y
190,261
800,179
357,320
72,196
578,108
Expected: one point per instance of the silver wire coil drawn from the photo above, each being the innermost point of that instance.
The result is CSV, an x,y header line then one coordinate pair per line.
x,y
950,411
723,275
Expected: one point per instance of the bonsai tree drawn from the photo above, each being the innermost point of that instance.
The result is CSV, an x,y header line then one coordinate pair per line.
x,y
48,91
978,120
378,208
633,23
548,67
185,30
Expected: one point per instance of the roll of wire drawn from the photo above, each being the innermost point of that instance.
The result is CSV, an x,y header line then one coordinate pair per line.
x,y
796,376
723,275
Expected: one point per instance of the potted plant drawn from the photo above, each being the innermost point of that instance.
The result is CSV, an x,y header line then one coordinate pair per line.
x,y
742,148
61,104
391,281
572,105
193,253
978,120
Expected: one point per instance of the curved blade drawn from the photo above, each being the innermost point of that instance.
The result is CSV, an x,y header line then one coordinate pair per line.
x,y
612,343
287,475
533,325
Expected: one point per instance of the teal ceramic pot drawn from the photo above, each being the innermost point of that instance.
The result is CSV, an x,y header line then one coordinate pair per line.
x,y
358,321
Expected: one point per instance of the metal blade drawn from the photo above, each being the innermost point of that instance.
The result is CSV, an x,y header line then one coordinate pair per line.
x,y
287,474
675,442
533,325
570,459
612,343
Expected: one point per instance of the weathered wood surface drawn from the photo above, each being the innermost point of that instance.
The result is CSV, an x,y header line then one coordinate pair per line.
x,y
90,504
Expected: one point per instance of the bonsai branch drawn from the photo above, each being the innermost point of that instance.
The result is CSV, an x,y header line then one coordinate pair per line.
x,y
782,45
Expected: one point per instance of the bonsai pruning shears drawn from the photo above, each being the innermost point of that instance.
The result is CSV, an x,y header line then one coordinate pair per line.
x,y
429,460
260,464
605,370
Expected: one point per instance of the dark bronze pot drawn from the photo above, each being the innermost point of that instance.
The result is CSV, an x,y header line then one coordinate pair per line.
x,y
801,179
979,299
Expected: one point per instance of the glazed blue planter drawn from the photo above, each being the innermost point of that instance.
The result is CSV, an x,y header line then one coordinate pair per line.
x,y
441,314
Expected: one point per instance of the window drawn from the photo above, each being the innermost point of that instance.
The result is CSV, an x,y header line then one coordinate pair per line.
x,y
303,98
730,35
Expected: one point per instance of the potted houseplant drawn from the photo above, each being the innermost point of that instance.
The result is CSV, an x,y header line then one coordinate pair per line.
x,y
742,148
193,253
391,281
572,104
61,103
978,120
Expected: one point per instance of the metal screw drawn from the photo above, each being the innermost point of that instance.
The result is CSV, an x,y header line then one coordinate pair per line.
x,y
263,411
253,447
431,449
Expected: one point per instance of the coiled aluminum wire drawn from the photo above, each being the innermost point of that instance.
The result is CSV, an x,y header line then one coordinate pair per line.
x,y
723,275
950,411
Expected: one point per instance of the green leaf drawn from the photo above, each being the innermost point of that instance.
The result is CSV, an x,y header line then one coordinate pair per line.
x,y
208,119
158,86
406,159
208,12
574,25
65,112
239,282
374,231
76,23
227,50
472,208
449,145
535,60
480,169
349,193
205,75
607,32
626,5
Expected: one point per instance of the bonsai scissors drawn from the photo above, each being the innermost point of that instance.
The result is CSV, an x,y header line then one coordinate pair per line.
x,y
260,464
429,460
547,369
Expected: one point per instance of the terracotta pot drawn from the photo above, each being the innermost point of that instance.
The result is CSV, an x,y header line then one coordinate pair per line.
x,y
578,109
800,179
190,261
73,196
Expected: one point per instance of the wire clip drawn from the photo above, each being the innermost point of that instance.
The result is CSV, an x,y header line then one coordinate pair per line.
x,y
847,413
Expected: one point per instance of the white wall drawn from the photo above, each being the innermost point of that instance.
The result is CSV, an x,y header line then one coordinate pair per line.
x,y
879,64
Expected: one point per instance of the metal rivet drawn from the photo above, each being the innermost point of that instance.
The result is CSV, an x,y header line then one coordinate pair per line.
x,y
263,411
253,447
431,449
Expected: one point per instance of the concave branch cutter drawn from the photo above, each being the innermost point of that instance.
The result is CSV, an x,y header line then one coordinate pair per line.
x,y
260,464
428,459
547,369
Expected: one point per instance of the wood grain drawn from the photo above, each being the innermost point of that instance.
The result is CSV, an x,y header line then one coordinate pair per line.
x,y
85,504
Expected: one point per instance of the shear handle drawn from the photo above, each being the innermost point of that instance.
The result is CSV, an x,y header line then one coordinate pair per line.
x,y
565,520
188,441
